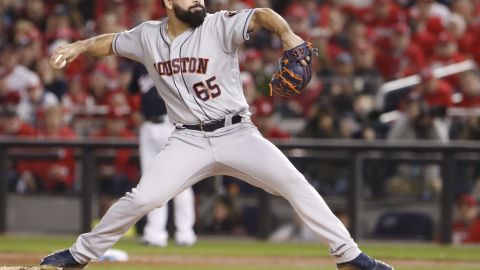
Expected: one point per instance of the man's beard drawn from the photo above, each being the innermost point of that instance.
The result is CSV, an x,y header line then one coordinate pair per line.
x,y
192,18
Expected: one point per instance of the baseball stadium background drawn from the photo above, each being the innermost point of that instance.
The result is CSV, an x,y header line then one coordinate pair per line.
x,y
386,132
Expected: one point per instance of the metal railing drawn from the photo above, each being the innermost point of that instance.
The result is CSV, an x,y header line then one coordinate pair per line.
x,y
447,155
413,80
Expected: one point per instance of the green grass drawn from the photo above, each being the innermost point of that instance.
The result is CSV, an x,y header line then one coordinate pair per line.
x,y
252,248
116,267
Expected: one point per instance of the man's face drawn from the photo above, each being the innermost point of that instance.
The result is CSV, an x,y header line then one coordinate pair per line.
x,y
190,12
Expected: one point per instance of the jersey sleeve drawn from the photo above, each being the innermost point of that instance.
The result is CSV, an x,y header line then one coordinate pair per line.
x,y
232,28
129,44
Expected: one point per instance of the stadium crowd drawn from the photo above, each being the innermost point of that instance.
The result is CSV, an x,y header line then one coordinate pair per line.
x,y
362,44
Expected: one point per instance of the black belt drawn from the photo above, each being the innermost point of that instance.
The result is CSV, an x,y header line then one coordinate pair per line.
x,y
214,125
155,119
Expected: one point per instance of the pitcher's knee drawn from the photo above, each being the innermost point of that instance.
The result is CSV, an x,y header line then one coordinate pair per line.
x,y
293,180
296,178
145,204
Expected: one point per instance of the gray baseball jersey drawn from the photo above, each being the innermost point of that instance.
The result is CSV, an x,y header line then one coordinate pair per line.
x,y
189,71
198,77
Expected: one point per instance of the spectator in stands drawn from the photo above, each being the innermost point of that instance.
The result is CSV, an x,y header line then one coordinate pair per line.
x,y
417,123
446,51
14,126
363,107
347,126
470,90
435,92
36,12
356,33
297,16
321,125
469,11
367,76
152,10
53,81
470,130
119,176
336,25
7,97
380,18
457,27
28,42
59,25
254,65
466,227
100,84
109,22
118,13
76,102
339,87
17,77
226,216
249,90
11,125
217,5
401,57
425,13
56,175
36,100
262,112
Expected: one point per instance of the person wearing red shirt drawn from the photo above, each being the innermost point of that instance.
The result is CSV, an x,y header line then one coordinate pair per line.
x,y
469,11
466,227
118,177
402,57
298,17
7,97
380,18
436,92
100,84
446,51
11,125
262,117
470,89
56,175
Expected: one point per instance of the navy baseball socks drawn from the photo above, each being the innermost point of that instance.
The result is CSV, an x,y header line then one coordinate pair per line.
x,y
364,262
61,260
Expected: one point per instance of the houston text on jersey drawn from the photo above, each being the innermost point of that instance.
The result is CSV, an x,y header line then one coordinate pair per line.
x,y
184,65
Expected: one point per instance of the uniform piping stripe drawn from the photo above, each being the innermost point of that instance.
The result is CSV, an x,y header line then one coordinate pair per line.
x,y
163,38
114,44
245,28
173,79
183,78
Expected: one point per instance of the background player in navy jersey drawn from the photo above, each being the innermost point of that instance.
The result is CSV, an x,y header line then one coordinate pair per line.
x,y
154,133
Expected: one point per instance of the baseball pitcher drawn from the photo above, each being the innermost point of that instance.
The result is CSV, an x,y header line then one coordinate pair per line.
x,y
192,58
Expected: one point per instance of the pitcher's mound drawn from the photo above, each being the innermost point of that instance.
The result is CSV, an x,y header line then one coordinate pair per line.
x,y
27,268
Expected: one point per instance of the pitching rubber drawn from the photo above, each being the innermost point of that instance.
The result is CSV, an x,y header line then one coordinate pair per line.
x,y
28,268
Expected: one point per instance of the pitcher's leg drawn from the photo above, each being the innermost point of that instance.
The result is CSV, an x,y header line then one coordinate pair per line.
x,y
258,161
184,213
170,173
155,231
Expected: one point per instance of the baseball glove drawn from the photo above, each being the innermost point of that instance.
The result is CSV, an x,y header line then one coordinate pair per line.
x,y
293,76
